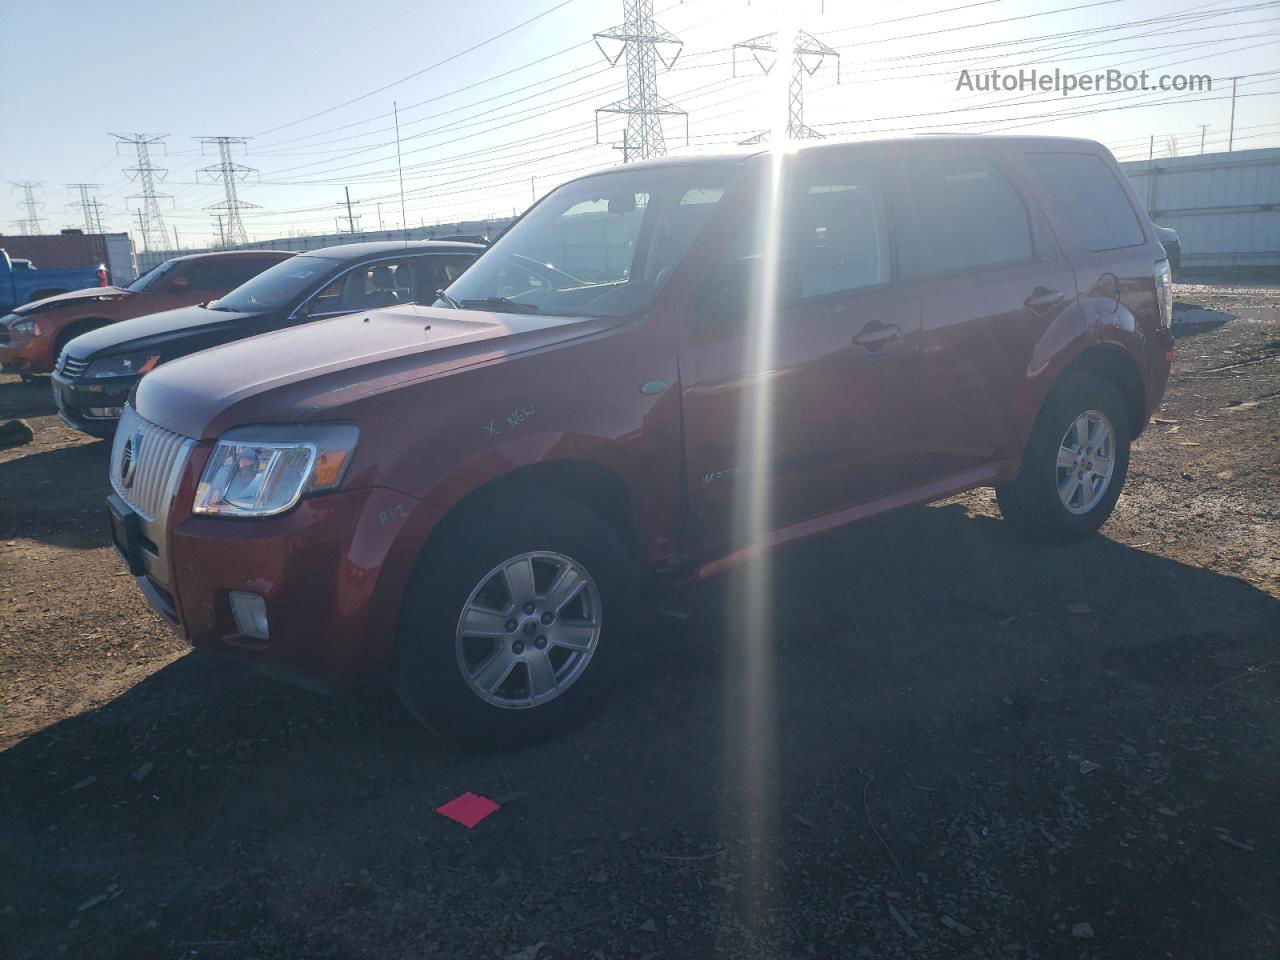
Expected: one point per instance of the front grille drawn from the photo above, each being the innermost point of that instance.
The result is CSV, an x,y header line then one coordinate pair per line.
x,y
69,366
158,457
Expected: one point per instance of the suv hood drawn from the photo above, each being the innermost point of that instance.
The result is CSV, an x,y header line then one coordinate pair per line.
x,y
151,330
74,298
310,371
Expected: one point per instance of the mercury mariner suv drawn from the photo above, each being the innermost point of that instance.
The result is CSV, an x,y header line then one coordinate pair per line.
x,y
464,498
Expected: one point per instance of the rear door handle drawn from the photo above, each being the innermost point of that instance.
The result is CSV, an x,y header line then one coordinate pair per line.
x,y
1042,298
876,334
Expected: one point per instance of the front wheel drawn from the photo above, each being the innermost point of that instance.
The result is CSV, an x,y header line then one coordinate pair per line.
x,y
513,622
1074,465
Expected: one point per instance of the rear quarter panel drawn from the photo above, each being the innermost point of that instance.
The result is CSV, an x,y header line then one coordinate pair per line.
x,y
1116,305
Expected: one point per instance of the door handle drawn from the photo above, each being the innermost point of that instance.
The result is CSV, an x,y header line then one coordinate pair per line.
x,y
1042,298
876,334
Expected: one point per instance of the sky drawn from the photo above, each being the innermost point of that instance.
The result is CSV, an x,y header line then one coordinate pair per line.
x,y
497,98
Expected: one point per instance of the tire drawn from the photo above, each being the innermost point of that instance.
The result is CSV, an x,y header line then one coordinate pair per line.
x,y
538,536
1034,502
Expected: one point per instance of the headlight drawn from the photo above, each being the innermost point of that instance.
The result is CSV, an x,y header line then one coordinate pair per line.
x,y
122,366
25,328
262,471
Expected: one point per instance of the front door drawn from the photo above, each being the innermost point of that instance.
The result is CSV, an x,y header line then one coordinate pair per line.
x,y
829,391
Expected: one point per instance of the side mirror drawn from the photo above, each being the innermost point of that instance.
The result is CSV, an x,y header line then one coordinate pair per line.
x,y
179,284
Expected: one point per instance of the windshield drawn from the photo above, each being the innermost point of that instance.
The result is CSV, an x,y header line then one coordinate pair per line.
x,y
150,279
601,246
278,286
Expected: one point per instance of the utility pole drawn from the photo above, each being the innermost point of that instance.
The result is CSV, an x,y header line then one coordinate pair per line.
x,y
176,244
643,42
145,174
29,225
379,218
351,218
231,175
807,56
89,206
1231,135
1151,149
1203,128
222,234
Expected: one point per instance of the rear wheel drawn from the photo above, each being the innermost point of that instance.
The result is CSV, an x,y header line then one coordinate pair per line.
x,y
514,621
1074,465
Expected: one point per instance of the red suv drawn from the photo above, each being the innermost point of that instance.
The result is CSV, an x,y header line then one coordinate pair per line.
x,y
659,369
34,334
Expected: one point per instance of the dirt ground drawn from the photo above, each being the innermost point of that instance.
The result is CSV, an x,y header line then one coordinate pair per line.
x,y
974,748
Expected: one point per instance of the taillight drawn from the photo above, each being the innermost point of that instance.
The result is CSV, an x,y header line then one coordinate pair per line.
x,y
1164,292
102,276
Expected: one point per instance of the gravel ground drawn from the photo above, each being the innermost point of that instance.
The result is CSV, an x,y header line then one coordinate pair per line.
x,y
973,747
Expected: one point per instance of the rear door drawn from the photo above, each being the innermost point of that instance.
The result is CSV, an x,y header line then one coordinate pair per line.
x,y
990,282
834,385
1109,245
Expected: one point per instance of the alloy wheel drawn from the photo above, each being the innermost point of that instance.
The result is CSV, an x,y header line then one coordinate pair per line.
x,y
1086,461
528,630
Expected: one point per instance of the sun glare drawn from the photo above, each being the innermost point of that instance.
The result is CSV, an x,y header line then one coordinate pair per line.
x,y
752,714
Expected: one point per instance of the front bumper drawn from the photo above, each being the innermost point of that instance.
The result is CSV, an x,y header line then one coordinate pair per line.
x,y
332,573
25,356
91,406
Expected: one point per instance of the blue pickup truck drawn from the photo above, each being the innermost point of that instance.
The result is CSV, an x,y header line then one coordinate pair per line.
x,y
21,282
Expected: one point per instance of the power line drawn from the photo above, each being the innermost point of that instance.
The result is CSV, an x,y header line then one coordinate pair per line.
x,y
418,73
88,205
29,225
807,56
643,43
145,174
231,175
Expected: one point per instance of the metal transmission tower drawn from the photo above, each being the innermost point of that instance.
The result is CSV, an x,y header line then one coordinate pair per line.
x,y
30,224
807,56
231,174
88,205
145,174
643,42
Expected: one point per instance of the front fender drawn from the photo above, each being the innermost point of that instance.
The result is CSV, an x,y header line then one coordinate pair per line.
x,y
485,466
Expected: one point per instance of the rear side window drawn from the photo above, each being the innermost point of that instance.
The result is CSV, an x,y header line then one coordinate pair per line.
x,y
1089,195
958,213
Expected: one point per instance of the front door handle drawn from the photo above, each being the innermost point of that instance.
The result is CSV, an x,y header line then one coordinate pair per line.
x,y
876,334
1042,298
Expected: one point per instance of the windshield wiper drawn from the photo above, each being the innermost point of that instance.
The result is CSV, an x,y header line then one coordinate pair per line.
x,y
448,299
502,303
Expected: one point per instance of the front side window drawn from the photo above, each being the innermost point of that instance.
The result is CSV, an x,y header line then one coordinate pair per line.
x,y
834,233
278,286
958,213
435,272
1090,196
371,286
600,246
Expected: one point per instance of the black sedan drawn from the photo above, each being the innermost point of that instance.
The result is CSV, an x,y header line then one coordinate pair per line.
x,y
96,371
